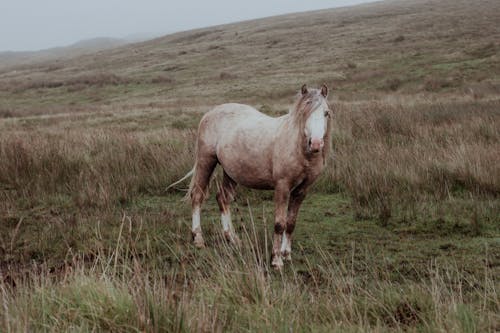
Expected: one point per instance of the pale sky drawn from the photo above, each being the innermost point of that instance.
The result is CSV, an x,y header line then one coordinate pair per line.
x,y
40,24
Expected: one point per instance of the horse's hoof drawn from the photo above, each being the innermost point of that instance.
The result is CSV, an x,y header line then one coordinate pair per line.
x,y
198,241
287,256
277,263
232,238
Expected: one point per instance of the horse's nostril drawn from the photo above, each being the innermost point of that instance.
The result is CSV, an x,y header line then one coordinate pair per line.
x,y
315,145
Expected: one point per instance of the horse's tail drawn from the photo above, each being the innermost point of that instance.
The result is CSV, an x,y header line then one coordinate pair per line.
x,y
189,174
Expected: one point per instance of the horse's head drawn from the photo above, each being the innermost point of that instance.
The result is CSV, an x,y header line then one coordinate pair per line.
x,y
313,113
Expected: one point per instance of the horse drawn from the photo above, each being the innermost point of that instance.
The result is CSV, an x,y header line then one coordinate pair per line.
x,y
285,154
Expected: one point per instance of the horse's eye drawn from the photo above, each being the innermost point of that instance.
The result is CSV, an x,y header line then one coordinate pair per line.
x,y
327,113
308,102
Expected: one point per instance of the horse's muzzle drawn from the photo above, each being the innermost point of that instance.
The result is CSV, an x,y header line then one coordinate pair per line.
x,y
315,145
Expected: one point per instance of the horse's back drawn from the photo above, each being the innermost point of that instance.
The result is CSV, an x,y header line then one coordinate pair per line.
x,y
242,139
236,114
226,120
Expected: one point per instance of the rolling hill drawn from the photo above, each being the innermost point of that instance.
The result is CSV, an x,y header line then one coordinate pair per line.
x,y
18,58
403,47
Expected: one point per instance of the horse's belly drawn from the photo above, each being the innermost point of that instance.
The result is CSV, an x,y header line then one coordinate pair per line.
x,y
258,184
249,173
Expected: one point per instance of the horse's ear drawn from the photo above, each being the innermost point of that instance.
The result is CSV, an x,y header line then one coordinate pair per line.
x,y
324,90
303,90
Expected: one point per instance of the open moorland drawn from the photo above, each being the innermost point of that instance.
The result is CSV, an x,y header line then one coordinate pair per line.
x,y
400,233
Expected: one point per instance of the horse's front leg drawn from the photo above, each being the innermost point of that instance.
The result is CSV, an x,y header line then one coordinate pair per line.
x,y
281,196
296,198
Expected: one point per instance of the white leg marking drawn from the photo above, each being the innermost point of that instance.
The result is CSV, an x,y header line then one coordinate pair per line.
x,y
286,247
225,218
227,226
196,220
196,228
284,243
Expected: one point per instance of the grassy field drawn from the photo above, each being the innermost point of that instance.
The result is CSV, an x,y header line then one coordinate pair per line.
x,y
400,233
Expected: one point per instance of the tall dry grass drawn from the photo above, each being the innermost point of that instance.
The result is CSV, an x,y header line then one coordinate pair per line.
x,y
96,79
96,168
384,154
390,153
124,289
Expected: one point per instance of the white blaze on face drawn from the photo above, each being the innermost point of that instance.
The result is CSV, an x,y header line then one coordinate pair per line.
x,y
196,220
316,123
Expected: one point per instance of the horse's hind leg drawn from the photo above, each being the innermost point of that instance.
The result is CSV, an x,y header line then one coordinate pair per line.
x,y
198,190
225,195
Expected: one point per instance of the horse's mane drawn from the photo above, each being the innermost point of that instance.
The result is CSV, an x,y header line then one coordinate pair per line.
x,y
304,106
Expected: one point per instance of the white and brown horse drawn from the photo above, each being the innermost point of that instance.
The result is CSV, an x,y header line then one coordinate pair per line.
x,y
286,154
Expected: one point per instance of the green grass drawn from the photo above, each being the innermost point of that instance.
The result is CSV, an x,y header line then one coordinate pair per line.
x,y
50,231
141,272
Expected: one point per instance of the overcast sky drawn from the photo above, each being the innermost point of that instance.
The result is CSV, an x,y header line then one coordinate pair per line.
x,y
40,24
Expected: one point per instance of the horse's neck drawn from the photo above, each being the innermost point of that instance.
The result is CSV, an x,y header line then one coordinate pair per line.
x,y
291,135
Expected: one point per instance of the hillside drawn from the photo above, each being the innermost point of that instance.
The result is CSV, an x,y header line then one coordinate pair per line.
x,y
14,58
399,233
406,47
